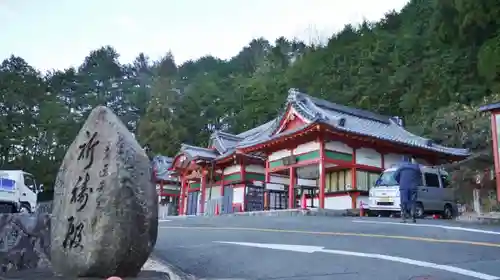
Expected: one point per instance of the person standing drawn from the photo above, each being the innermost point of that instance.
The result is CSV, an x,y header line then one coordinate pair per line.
x,y
409,177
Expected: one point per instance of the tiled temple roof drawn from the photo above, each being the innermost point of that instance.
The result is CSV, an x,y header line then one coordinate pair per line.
x,y
194,152
354,121
490,107
161,164
315,110
223,141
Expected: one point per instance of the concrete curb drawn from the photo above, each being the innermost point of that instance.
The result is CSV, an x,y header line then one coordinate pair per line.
x,y
281,213
484,219
298,212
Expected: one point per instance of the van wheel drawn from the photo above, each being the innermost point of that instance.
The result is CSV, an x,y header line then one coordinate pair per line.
x,y
448,212
419,210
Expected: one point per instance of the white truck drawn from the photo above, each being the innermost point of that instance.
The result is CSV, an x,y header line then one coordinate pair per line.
x,y
18,191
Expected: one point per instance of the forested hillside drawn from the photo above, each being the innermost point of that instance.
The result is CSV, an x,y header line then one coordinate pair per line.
x,y
433,63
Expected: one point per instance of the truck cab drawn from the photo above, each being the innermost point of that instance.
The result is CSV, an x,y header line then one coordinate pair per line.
x,y
435,195
18,191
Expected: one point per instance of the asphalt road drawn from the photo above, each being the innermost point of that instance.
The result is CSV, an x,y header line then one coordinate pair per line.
x,y
322,248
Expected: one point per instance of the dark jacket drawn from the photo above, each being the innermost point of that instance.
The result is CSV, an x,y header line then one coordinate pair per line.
x,y
408,176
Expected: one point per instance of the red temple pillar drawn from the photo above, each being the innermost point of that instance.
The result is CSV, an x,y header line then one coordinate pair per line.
x,y
354,181
160,193
203,190
267,178
243,172
322,175
185,197
291,189
221,184
494,132
181,196
495,122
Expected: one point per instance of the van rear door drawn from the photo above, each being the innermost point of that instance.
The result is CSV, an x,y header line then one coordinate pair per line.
x,y
432,191
448,192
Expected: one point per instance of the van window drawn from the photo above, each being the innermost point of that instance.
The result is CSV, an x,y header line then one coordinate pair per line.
x,y
29,182
386,179
431,180
445,180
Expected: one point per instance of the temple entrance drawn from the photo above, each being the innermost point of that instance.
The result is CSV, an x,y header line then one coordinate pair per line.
x,y
168,206
310,192
276,199
227,200
192,203
254,198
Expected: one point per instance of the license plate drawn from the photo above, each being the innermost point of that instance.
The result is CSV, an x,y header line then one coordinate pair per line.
x,y
385,199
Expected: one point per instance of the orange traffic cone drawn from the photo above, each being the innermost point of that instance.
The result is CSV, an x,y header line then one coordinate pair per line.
x,y
217,209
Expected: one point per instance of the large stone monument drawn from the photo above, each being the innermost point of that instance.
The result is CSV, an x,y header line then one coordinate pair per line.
x,y
105,211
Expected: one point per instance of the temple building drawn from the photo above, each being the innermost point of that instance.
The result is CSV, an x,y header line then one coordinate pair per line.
x,y
167,184
330,153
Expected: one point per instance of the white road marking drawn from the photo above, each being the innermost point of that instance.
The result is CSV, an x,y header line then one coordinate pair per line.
x,y
430,225
316,249
164,221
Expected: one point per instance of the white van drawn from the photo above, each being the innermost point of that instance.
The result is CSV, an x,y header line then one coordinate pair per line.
x,y
18,191
435,196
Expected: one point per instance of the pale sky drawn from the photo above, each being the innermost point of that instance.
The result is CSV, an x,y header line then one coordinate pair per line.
x,y
60,33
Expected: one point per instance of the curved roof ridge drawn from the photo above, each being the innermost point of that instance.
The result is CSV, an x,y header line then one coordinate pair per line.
x,y
322,114
266,131
220,132
295,94
421,138
229,135
261,135
188,146
195,152
256,130
224,141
